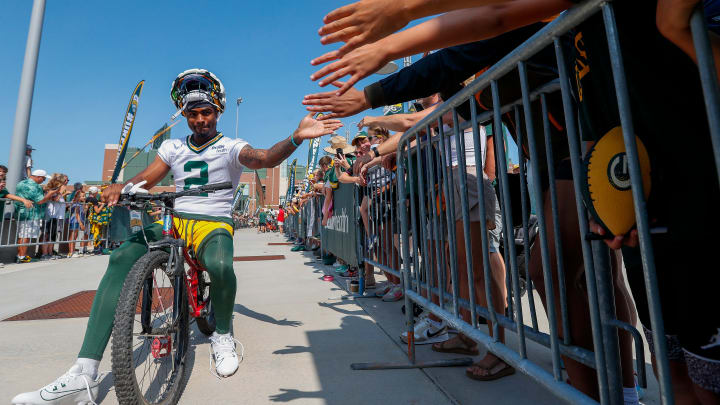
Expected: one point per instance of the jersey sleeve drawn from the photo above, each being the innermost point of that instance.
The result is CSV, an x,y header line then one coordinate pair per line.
x,y
165,152
235,147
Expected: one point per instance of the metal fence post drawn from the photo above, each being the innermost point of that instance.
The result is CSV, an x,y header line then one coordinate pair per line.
x,y
641,217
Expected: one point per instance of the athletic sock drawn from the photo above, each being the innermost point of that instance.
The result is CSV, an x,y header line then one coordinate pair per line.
x,y
630,396
89,366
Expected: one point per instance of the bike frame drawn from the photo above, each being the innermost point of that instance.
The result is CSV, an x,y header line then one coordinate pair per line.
x,y
170,231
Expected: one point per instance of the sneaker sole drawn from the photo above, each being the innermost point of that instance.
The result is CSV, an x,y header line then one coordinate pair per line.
x,y
435,339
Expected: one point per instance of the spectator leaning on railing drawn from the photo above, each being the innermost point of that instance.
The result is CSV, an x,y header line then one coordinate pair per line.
x,y
54,214
98,216
30,218
76,221
331,176
4,193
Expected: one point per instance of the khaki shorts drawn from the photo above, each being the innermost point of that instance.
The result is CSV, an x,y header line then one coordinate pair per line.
x,y
29,229
492,208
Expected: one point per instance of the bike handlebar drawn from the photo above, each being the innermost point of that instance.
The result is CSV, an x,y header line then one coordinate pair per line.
x,y
165,196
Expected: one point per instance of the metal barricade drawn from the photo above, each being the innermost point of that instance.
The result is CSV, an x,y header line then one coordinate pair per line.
x,y
73,224
435,227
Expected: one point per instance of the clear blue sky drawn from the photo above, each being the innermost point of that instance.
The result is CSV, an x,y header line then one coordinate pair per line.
x,y
93,54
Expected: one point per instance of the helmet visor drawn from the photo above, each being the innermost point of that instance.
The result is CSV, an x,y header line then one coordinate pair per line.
x,y
191,83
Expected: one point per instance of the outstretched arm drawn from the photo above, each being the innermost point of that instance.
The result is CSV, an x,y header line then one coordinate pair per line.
x,y
367,21
307,129
673,22
449,29
396,122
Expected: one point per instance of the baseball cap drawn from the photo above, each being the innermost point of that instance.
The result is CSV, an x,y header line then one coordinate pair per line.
x,y
359,136
29,147
93,189
78,186
40,172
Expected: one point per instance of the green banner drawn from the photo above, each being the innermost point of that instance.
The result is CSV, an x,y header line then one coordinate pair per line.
x,y
127,127
339,236
312,162
126,222
291,182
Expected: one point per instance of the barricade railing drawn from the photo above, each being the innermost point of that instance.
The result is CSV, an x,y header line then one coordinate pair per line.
x,y
68,223
426,215
426,225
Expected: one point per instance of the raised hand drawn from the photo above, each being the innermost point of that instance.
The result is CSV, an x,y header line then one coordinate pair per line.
x,y
345,105
310,127
366,121
362,23
359,64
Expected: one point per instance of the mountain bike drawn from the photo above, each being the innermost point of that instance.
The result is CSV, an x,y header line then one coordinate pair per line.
x,y
165,289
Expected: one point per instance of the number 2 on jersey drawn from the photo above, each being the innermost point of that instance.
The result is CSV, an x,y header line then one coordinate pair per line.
x,y
196,181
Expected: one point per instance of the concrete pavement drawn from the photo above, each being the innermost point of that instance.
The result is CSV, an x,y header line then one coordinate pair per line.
x,y
299,335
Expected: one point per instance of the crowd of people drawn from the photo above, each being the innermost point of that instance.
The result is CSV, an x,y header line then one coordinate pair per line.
x,y
47,210
459,46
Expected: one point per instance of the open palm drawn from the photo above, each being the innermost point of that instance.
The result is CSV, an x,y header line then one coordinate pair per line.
x,y
310,128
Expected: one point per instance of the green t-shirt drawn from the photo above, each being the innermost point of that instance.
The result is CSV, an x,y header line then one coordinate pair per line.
x,y
331,177
3,194
262,216
32,191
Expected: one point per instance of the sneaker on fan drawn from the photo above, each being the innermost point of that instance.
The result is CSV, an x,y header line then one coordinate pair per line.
x,y
224,355
428,331
395,294
71,388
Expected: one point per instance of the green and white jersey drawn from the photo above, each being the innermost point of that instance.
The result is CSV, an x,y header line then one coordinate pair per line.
x,y
192,166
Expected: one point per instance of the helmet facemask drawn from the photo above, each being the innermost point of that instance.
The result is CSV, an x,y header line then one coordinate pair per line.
x,y
197,87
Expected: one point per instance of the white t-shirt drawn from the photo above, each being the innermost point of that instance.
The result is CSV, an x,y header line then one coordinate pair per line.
x,y
469,145
192,166
55,210
28,164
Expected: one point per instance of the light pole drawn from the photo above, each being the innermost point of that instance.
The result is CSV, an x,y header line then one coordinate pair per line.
x,y
25,96
237,115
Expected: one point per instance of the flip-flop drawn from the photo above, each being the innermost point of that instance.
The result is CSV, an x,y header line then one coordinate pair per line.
x,y
503,372
440,348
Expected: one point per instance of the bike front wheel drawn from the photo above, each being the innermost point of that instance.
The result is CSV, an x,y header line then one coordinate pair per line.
x,y
150,334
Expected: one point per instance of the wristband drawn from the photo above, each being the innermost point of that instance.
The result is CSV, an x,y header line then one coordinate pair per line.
x,y
292,141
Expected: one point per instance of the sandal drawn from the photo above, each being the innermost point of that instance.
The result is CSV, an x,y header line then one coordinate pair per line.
x,y
442,347
493,372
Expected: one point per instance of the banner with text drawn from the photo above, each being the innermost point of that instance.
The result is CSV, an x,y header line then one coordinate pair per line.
x,y
313,154
291,182
339,236
127,127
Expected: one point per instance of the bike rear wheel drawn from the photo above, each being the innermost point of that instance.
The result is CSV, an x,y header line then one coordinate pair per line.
x,y
150,334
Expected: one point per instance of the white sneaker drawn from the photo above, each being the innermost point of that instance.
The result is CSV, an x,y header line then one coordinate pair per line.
x,y
428,331
223,354
71,388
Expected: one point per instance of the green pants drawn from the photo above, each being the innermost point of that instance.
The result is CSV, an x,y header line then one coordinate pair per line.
x,y
215,255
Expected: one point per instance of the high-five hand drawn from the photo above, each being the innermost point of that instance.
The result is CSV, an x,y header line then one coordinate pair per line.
x,y
310,128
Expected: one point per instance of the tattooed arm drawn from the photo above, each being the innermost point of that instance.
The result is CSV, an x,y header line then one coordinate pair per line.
x,y
307,129
259,158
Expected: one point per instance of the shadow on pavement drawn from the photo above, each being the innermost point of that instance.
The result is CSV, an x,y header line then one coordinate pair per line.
x,y
356,341
292,350
289,394
243,310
